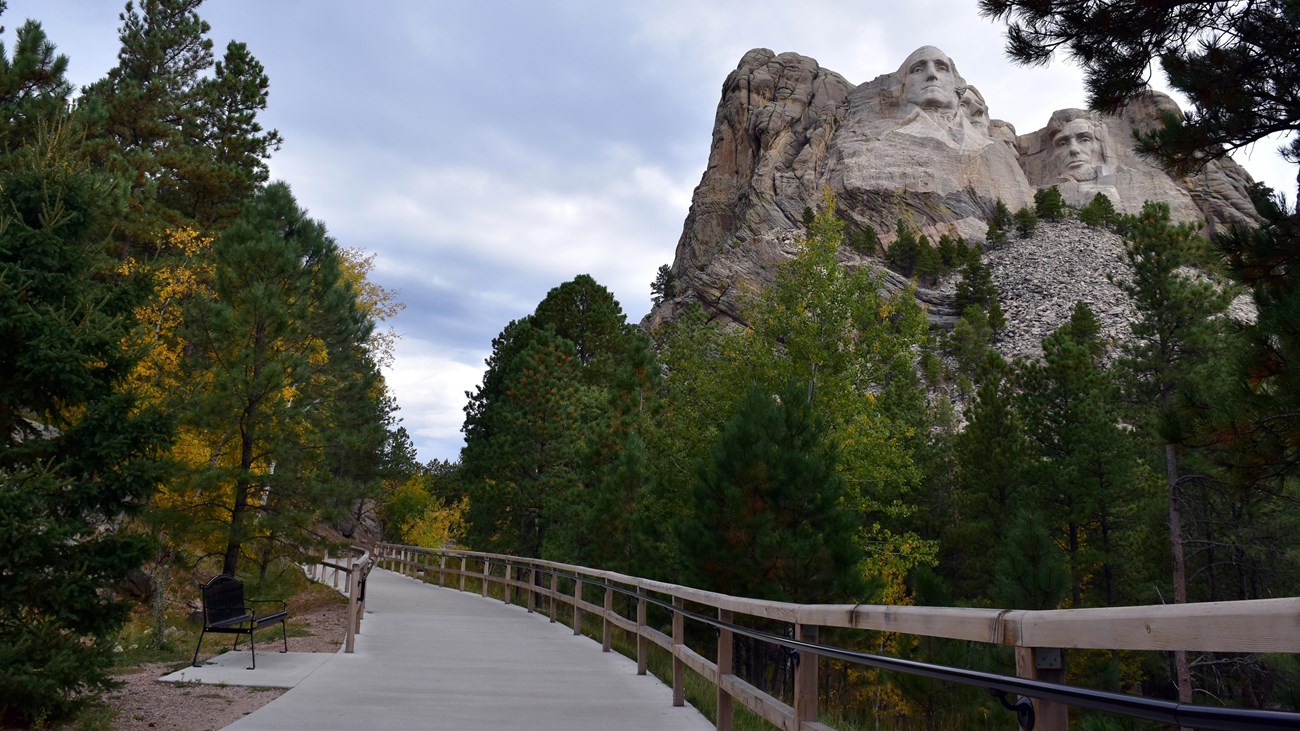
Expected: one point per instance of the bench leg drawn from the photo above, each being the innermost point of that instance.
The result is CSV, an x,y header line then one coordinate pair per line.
x,y
195,661
252,650
284,633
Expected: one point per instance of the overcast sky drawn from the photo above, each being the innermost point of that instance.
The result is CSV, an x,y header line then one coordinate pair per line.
x,y
489,151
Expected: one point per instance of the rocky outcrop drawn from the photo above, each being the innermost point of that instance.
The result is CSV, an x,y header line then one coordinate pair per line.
x,y
771,129
915,144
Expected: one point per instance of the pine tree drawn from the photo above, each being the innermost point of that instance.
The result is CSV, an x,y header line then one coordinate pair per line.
x,y
1178,344
1235,62
544,428
280,367
770,517
80,455
976,288
1083,461
991,467
587,315
866,242
1030,574
904,252
1048,203
664,286
1099,212
949,253
1002,217
228,143
136,113
1026,222
524,460
190,143
33,88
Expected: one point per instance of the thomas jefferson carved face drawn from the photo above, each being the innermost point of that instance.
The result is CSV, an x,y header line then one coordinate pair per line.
x,y
1077,150
929,80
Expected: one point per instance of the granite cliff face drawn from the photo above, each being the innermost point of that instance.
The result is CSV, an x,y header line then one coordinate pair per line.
x,y
916,144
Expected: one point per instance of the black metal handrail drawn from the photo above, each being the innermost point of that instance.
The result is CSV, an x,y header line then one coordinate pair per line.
x,y
1150,709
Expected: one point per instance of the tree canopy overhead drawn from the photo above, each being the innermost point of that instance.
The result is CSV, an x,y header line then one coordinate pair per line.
x,y
1236,62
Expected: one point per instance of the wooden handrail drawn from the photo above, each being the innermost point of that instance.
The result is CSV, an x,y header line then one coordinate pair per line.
x,y
1266,625
355,568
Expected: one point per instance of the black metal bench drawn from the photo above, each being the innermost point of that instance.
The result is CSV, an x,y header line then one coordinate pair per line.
x,y
226,611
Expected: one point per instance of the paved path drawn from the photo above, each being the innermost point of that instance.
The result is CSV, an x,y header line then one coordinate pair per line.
x,y
434,658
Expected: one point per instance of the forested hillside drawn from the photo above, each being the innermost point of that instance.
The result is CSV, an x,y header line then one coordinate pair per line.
x,y
189,378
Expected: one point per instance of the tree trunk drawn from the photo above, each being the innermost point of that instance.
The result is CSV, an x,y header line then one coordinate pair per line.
x,y
1181,667
243,484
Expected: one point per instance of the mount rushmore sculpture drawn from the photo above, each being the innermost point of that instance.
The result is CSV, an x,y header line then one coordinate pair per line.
x,y
917,144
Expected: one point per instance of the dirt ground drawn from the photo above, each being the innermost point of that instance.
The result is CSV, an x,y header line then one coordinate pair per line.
x,y
144,704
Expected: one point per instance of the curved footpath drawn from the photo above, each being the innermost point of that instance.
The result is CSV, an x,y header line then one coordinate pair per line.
x,y
435,658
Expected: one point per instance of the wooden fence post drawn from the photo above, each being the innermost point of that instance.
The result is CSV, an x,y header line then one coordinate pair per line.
x,y
606,626
442,570
463,570
726,648
532,594
577,606
487,569
805,678
1037,663
642,642
555,593
354,588
679,667
506,588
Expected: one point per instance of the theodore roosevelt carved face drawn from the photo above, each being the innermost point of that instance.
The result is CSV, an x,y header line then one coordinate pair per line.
x,y
929,80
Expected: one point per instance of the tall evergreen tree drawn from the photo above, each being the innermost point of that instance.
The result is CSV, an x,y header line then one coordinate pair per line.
x,y
33,85
524,460
544,429
1176,354
79,454
137,111
991,468
229,146
189,142
770,516
1083,461
274,356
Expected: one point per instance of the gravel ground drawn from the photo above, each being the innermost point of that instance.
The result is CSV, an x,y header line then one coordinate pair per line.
x,y
144,704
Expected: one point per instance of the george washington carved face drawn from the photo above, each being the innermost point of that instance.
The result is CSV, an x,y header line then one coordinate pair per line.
x,y
929,80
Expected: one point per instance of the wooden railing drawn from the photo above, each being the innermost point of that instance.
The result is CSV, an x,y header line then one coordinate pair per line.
x,y
353,568
1039,637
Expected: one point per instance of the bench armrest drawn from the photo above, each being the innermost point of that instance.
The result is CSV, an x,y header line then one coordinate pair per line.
x,y
281,602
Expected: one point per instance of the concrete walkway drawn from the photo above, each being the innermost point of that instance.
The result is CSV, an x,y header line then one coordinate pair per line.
x,y
434,658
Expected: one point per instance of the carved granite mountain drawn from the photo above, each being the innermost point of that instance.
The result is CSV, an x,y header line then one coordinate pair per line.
x,y
1084,153
915,144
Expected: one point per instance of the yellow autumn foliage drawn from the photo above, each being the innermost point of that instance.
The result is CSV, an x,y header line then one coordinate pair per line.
x,y
438,526
177,280
377,301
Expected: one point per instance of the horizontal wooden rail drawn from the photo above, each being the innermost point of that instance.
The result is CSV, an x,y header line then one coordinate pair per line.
x,y
354,567
1269,625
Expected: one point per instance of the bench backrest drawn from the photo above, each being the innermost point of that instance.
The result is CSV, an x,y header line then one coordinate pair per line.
x,y
223,599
